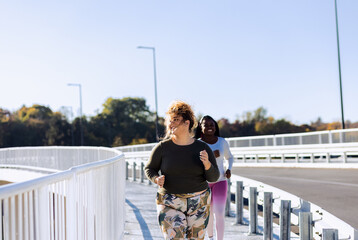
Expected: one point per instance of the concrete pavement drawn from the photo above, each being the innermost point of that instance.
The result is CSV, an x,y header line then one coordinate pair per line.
x,y
141,219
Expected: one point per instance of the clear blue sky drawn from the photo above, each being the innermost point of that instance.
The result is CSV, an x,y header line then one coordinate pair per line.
x,y
223,57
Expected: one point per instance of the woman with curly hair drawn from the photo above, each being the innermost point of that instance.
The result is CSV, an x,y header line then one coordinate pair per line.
x,y
182,166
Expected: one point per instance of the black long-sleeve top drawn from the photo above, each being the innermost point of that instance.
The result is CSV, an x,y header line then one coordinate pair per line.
x,y
184,171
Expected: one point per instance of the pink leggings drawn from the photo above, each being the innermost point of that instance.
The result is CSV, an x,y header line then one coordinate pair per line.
x,y
218,201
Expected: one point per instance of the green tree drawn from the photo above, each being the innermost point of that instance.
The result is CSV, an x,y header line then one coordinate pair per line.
x,y
124,120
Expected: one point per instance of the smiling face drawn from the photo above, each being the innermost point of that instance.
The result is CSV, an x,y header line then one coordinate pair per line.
x,y
208,127
177,124
179,116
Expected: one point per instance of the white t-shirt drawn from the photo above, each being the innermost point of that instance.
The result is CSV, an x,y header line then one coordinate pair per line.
x,y
223,147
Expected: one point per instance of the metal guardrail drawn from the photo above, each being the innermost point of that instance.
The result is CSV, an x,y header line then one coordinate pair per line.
x,y
323,153
313,221
317,137
70,204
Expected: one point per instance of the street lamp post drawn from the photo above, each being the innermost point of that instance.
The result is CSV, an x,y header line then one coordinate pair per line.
x,y
155,90
80,89
71,119
339,65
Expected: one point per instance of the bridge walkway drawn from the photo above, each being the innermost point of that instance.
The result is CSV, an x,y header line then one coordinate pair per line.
x,y
141,219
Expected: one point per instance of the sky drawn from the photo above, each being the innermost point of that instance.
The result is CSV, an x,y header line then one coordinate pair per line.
x,y
224,58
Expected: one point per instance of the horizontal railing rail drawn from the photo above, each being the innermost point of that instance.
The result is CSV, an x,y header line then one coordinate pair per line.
x,y
84,200
310,218
323,153
317,137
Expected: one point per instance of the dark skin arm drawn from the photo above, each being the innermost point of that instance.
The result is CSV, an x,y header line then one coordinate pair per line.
x,y
228,174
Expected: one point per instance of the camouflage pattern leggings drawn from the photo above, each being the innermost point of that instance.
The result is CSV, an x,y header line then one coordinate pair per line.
x,y
184,216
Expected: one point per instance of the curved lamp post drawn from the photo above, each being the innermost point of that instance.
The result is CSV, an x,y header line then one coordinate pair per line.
x,y
155,90
80,88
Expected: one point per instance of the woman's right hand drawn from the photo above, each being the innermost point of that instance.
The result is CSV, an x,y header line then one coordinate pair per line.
x,y
160,180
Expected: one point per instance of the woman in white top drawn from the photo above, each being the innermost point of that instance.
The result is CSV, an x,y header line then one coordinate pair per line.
x,y
208,132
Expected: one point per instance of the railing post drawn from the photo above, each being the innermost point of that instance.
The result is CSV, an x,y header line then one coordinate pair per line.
x,y
330,234
228,199
328,157
127,166
268,219
320,138
285,220
134,173
305,226
142,172
253,210
239,202
330,136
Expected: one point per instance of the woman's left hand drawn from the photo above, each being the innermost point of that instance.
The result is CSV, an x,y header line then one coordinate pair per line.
x,y
228,174
204,157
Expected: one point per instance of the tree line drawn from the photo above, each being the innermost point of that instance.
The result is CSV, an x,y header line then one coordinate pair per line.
x,y
125,121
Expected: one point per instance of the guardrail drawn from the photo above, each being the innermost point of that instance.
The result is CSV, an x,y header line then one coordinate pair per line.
x,y
317,137
71,204
313,221
324,153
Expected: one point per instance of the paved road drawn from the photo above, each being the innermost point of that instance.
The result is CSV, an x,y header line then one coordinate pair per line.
x,y
335,190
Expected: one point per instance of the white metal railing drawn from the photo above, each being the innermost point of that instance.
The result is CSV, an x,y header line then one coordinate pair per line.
x,y
85,200
321,220
299,154
318,137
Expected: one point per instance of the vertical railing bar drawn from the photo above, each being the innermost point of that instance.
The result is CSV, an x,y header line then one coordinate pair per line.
x,y
1,214
56,219
63,211
228,198
77,194
305,226
268,216
239,202
6,219
141,172
134,171
329,234
26,216
253,210
13,218
19,216
36,213
127,166
285,220
31,215
51,210
60,210
85,205
80,207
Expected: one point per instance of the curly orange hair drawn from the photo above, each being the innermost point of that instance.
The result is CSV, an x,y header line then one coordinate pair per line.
x,y
180,108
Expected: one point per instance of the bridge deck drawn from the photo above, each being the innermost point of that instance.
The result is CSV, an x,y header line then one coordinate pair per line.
x,y
141,220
